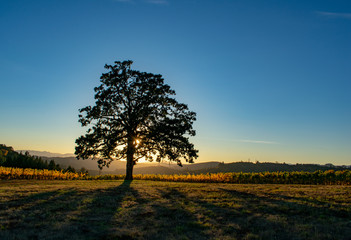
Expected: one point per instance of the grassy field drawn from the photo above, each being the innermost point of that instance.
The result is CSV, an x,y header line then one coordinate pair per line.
x,y
38,209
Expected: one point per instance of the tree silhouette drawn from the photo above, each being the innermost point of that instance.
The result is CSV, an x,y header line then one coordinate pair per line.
x,y
134,117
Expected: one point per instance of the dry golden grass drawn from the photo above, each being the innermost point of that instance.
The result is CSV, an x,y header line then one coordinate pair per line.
x,y
37,209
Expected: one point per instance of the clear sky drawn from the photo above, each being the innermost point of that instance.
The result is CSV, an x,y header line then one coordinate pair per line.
x,y
269,80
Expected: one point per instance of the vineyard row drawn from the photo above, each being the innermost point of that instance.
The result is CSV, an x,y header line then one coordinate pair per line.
x,y
329,177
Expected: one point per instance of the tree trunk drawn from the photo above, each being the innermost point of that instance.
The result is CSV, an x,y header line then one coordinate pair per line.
x,y
130,160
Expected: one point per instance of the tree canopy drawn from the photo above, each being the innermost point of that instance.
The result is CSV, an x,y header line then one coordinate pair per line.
x,y
135,116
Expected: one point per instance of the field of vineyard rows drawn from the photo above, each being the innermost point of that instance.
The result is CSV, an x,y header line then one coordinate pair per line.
x,y
329,177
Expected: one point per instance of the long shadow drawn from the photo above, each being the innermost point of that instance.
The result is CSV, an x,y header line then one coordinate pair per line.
x,y
96,220
121,212
173,220
227,222
27,200
255,217
299,204
23,217
339,207
63,214
139,217
297,213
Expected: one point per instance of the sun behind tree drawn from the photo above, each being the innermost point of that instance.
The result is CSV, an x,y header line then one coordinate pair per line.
x,y
134,117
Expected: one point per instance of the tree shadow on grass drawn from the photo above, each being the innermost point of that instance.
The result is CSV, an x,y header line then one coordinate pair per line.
x,y
166,212
239,215
220,222
301,205
293,220
29,213
338,209
27,200
62,214
150,216
96,218
118,212
168,219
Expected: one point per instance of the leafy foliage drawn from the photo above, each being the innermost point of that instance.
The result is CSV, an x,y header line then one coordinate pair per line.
x,y
135,116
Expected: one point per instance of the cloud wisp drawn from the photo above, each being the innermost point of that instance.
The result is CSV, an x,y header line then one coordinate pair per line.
x,y
257,141
335,14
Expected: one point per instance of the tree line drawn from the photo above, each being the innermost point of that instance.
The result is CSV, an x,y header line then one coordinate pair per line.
x,y
11,158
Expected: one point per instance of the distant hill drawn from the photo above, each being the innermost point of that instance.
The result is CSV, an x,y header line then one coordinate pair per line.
x,y
118,167
73,162
11,158
268,167
193,166
46,154
140,170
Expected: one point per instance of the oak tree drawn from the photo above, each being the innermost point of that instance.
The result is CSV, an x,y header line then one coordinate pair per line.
x,y
135,116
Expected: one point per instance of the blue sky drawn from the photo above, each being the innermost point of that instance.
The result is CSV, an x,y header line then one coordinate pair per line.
x,y
269,80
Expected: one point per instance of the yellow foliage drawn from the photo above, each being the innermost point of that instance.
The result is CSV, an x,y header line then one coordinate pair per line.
x,y
318,177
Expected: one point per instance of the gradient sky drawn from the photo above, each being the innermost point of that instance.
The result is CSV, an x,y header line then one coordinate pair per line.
x,y
269,80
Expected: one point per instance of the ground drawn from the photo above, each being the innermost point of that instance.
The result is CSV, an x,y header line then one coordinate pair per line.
x,y
36,209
